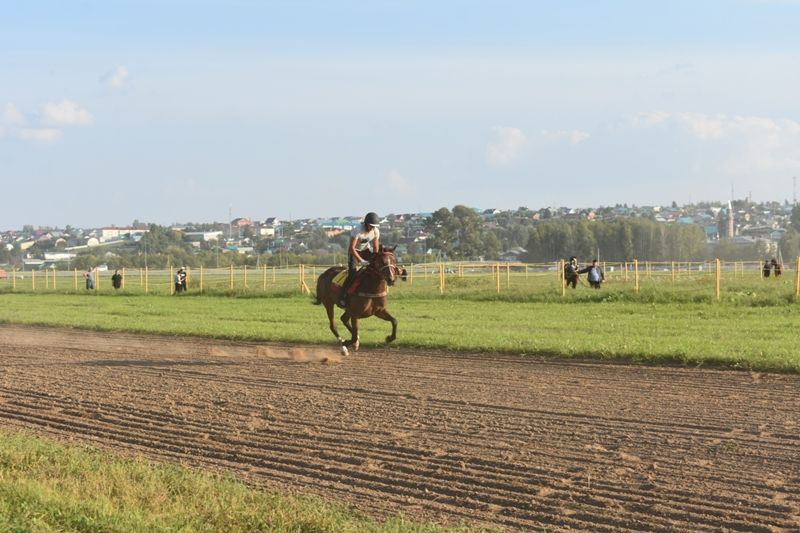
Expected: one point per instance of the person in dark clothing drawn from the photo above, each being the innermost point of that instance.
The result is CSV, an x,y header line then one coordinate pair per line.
x,y
594,274
184,285
571,272
767,268
178,281
776,267
116,280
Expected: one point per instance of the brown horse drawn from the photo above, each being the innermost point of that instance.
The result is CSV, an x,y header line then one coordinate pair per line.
x,y
369,299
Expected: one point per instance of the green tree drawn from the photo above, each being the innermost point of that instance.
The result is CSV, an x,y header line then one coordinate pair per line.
x,y
795,218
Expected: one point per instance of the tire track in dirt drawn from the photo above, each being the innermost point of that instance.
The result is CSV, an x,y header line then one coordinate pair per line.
x,y
493,440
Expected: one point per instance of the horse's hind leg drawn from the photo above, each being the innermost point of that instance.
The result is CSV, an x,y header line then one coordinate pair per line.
x,y
384,314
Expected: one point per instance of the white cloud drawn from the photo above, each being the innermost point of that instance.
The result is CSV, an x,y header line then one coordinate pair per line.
x,y
571,136
11,116
44,135
397,183
748,144
507,145
66,112
117,77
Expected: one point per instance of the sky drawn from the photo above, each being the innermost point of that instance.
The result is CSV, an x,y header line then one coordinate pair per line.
x,y
188,111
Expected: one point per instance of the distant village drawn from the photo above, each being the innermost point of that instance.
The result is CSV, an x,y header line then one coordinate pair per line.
x,y
741,222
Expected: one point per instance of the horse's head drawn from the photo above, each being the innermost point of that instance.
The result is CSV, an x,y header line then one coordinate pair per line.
x,y
385,263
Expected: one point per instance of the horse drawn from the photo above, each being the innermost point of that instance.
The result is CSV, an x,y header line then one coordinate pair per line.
x,y
370,298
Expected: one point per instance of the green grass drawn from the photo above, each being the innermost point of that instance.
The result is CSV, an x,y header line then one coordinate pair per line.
x,y
744,330
48,486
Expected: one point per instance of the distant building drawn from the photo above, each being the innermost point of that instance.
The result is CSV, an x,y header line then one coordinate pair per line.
x,y
202,236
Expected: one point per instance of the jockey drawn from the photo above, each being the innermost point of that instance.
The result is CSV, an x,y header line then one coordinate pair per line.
x,y
364,241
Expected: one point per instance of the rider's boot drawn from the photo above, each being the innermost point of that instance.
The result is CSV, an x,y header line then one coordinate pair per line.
x,y
343,295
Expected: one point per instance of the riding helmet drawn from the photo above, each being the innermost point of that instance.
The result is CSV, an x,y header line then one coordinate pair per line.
x,y
371,219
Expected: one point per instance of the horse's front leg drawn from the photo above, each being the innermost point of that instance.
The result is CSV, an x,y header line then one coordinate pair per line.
x,y
354,340
384,315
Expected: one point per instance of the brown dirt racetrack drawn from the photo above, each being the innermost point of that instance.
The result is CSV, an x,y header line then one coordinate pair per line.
x,y
499,441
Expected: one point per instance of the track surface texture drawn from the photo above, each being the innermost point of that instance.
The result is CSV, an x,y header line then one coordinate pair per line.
x,y
498,441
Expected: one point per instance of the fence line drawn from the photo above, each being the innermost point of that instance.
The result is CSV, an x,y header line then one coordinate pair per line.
x,y
708,277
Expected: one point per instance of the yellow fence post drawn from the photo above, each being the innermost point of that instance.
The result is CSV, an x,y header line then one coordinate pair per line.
x,y
46,279
562,279
508,275
54,276
123,278
201,278
146,280
171,284
717,276
441,278
797,277
497,277
231,277
245,276
264,278
636,275
273,274
76,279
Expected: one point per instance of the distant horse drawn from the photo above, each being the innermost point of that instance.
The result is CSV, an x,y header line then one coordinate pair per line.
x,y
370,296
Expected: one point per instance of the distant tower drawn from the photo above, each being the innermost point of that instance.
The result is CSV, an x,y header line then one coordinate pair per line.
x,y
730,220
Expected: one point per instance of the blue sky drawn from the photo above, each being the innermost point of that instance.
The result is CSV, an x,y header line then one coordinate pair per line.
x,y
179,111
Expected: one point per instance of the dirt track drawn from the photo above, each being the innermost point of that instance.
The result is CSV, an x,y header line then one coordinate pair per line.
x,y
500,441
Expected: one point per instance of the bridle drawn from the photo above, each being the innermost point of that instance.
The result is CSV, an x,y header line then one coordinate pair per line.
x,y
380,271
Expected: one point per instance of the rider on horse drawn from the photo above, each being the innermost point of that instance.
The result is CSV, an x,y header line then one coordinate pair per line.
x,y
364,242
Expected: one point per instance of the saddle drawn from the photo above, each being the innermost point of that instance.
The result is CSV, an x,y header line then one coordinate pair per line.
x,y
339,279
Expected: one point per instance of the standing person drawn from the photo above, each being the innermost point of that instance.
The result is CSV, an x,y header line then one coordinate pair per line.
x,y
777,268
183,279
178,283
364,241
89,277
116,279
594,273
571,272
767,267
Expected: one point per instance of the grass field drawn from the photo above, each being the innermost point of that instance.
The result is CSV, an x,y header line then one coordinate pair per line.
x,y
744,330
48,486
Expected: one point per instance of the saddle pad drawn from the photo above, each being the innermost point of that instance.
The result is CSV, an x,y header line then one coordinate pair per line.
x,y
339,278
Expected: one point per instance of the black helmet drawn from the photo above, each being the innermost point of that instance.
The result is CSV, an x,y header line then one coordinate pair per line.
x,y
371,219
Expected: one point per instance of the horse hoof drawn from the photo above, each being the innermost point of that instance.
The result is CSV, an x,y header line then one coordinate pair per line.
x,y
343,350
356,346
389,339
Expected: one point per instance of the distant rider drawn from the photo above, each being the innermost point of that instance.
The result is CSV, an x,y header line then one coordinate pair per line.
x,y
364,242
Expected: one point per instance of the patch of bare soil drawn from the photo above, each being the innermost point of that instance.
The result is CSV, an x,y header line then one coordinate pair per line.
x,y
507,442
